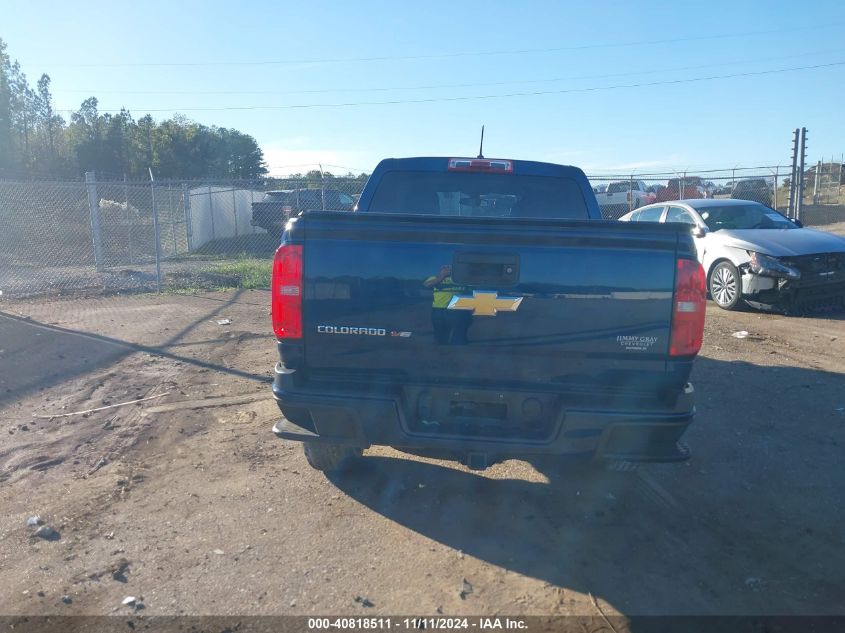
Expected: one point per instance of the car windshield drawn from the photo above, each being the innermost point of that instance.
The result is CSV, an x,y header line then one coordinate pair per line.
x,y
691,181
743,216
276,196
751,184
470,194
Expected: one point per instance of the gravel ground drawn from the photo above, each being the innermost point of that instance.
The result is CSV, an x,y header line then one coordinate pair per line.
x,y
203,511
32,281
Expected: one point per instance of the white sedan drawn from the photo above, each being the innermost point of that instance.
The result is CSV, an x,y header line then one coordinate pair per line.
x,y
753,254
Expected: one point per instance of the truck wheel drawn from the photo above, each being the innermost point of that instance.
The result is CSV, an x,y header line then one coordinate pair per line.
x,y
725,286
330,458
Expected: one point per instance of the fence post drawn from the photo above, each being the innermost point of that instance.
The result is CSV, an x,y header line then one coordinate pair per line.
x,y
235,209
251,201
156,232
211,211
322,188
94,212
777,172
172,219
683,187
128,219
630,193
186,207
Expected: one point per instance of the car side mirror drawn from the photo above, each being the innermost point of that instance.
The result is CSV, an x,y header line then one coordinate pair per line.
x,y
797,222
698,231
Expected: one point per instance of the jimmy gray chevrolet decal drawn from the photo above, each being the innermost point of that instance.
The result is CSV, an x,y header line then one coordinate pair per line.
x,y
636,343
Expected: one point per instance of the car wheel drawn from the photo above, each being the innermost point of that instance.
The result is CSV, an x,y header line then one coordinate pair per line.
x,y
726,286
330,458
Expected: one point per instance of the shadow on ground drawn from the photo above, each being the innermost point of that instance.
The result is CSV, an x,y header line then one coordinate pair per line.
x,y
37,355
735,531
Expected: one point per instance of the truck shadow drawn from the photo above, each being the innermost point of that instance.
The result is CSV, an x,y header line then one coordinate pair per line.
x,y
717,535
46,355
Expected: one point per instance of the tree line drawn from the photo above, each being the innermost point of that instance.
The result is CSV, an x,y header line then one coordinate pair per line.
x,y
37,142
315,179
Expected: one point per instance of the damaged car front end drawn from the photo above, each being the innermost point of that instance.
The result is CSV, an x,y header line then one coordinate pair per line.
x,y
794,284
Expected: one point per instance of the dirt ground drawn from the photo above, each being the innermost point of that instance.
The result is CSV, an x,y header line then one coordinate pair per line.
x,y
203,511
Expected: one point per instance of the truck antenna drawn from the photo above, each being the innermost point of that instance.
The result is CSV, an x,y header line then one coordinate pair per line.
x,y
481,147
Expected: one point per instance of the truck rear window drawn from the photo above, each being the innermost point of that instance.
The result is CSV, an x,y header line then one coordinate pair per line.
x,y
468,194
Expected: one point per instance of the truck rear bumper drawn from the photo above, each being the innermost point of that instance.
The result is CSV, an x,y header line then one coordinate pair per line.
x,y
579,431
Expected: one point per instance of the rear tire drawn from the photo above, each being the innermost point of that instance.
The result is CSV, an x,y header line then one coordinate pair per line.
x,y
725,286
330,458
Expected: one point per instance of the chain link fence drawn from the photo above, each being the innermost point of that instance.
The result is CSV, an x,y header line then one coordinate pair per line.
x,y
123,236
823,201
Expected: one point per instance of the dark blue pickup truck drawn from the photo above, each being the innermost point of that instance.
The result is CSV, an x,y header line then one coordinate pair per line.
x,y
481,309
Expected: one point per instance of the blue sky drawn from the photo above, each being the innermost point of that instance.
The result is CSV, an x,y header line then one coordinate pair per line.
x,y
317,53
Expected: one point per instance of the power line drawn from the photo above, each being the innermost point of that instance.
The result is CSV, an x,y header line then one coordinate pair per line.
x,y
523,51
481,97
346,167
453,85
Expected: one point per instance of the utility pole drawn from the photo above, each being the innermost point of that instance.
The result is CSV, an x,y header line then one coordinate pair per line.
x,y
793,181
802,154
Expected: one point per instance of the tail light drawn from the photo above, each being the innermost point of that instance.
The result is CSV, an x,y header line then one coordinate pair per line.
x,y
286,285
690,303
629,196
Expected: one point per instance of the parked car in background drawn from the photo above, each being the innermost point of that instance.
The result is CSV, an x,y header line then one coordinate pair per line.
x,y
277,207
631,194
653,190
753,254
600,188
756,189
692,189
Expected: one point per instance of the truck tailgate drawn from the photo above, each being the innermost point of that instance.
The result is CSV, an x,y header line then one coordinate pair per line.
x,y
540,302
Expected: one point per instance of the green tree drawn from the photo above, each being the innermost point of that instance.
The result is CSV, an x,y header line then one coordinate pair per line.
x,y
141,147
24,114
117,141
47,117
6,147
35,140
86,136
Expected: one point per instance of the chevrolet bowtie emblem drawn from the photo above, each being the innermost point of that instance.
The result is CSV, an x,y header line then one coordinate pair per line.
x,y
483,303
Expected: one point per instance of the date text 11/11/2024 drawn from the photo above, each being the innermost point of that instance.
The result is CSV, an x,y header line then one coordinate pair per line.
x,y
443,624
